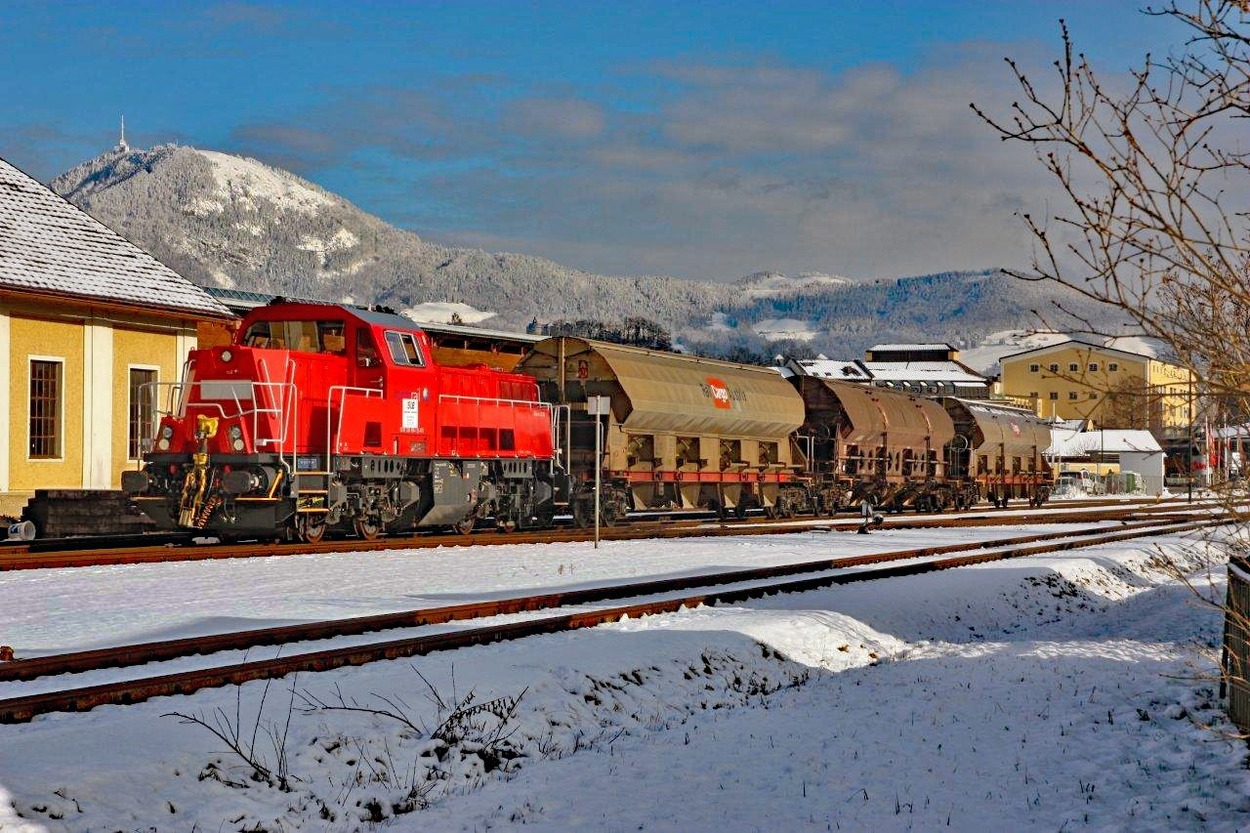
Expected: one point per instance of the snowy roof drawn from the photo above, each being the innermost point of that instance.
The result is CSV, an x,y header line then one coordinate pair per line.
x,y
833,369
897,348
49,245
1112,441
948,372
1079,343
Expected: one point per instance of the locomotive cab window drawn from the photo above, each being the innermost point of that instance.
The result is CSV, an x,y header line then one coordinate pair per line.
x,y
403,349
302,336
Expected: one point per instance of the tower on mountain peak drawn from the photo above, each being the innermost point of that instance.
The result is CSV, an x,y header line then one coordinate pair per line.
x,y
122,147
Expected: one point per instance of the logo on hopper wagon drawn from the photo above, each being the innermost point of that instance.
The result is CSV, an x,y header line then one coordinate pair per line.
x,y
719,393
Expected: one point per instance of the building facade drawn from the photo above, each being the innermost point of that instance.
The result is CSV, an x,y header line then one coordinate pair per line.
x,y
91,327
1109,387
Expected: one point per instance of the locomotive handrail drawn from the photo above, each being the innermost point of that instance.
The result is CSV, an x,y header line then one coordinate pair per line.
x,y
494,400
337,430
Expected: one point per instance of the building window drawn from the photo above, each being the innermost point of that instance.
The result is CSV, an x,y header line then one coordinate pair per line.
x,y
1054,368
140,426
45,409
1073,367
1032,394
1054,394
1093,367
1093,394
1033,368
1113,366
1071,395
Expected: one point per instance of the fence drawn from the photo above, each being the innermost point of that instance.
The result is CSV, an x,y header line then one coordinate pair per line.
x,y
1236,658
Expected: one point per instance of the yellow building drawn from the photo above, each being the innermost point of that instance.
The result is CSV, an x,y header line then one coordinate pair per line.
x,y
90,325
1113,388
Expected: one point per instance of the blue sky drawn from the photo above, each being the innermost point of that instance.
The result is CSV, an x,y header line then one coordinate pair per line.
x,y
704,140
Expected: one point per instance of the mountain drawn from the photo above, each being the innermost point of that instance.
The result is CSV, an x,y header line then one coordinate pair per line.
x,y
233,222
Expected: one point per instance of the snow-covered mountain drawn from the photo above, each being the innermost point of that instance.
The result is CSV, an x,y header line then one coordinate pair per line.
x,y
234,222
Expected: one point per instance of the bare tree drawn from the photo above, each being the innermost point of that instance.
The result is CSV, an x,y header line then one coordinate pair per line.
x,y
1155,173
1155,180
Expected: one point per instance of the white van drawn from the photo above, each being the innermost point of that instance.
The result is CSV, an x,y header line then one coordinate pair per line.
x,y
1078,481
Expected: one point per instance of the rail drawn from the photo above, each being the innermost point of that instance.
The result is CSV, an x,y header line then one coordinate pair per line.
x,y
728,587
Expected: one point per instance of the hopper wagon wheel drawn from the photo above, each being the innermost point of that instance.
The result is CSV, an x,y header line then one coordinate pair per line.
x,y
370,529
310,529
583,513
464,526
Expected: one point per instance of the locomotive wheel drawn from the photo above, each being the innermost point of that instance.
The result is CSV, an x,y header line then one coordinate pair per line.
x,y
368,528
310,529
464,526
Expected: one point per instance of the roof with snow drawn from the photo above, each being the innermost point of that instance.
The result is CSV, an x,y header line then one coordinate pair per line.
x,y
939,372
1079,343
899,348
48,245
1110,442
923,376
852,371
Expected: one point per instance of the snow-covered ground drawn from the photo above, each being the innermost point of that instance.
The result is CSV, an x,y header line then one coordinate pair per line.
x,y
1062,693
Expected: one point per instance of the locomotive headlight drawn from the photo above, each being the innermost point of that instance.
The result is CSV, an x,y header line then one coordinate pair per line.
x,y
167,432
162,444
235,433
226,356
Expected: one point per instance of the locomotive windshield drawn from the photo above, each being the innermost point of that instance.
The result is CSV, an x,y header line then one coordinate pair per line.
x,y
302,336
403,348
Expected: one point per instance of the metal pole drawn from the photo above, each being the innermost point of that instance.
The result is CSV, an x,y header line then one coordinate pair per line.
x,y
1189,473
598,406
598,477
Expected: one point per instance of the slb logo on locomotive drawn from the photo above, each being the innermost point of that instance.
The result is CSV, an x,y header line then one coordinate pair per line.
x,y
718,391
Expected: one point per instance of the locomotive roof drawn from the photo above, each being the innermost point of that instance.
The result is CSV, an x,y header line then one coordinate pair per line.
x,y
373,317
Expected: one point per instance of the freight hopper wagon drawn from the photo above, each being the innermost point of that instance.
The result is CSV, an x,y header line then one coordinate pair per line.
x,y
683,433
876,443
997,453
324,418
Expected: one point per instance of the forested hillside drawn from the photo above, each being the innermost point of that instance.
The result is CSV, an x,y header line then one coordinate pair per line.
x,y
227,221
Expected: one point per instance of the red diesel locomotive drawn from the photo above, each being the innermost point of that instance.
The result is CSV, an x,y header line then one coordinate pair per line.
x,y
324,418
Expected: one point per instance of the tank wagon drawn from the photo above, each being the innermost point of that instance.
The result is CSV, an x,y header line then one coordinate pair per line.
x,y
876,443
318,417
682,433
997,453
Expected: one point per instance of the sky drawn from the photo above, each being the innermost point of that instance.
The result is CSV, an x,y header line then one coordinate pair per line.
x,y
700,140
1069,691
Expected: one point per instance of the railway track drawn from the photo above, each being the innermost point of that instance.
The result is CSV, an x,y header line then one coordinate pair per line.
x,y
95,552
673,594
